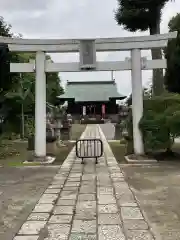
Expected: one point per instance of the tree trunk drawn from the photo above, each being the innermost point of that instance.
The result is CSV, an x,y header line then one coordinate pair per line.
x,y
22,120
158,79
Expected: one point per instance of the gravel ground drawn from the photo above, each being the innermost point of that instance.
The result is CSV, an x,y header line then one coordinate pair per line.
x,y
20,189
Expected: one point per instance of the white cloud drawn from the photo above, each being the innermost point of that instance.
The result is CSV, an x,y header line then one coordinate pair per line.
x,y
77,19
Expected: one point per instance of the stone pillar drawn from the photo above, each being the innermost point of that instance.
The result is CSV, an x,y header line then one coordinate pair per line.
x,y
137,100
40,106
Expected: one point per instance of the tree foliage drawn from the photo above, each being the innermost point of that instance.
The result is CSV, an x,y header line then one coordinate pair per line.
x,y
18,91
172,53
160,122
142,15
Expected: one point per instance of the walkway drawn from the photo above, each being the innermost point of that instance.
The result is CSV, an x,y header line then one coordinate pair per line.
x,y
87,202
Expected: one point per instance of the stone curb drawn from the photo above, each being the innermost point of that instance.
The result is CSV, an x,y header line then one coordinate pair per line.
x,y
149,161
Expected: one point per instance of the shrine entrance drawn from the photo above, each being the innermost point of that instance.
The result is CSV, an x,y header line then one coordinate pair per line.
x,y
87,49
92,110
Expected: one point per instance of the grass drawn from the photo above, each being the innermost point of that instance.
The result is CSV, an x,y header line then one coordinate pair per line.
x,y
14,153
119,151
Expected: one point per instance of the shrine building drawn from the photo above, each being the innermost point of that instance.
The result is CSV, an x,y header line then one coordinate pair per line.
x,y
93,99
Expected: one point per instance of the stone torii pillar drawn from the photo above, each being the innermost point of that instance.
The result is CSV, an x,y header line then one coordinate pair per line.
x,y
137,100
40,106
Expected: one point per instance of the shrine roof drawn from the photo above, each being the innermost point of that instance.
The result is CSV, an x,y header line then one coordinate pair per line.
x,y
91,91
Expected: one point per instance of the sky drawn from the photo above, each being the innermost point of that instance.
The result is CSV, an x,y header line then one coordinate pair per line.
x,y
78,19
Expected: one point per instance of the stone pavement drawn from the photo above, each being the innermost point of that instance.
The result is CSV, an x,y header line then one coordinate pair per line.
x,y
87,202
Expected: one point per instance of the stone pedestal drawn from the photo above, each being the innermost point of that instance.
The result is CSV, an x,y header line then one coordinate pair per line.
x,y
65,133
118,132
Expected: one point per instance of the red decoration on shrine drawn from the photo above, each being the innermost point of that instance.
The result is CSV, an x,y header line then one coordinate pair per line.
x,y
103,110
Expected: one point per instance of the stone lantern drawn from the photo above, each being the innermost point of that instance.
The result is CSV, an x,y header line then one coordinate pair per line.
x,y
58,116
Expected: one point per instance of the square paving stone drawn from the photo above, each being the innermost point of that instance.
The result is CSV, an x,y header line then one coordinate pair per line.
x,y
38,217
87,189
68,194
86,210
82,236
139,235
124,193
120,185
59,177
117,175
106,199
104,183
88,177
26,238
48,198
67,202
89,183
135,224
108,208
109,219
71,179
58,231
110,232
43,208
87,169
86,205
64,210
83,226
75,175
76,170
72,184
56,186
60,219
75,189
102,177
69,197
127,200
127,204
121,179
131,213
86,197
31,227
58,183
105,190
52,190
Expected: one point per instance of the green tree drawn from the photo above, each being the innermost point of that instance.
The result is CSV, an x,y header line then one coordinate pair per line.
x,y
10,82
172,53
53,85
21,95
139,15
17,93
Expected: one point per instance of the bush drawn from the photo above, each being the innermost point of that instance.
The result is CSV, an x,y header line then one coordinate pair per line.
x,y
160,122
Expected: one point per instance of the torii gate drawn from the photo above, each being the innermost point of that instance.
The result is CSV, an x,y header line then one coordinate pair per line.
x,y
87,49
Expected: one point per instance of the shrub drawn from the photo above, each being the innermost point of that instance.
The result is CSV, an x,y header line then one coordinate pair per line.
x,y
160,122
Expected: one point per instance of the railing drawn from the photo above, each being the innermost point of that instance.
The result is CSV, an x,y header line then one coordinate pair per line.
x,y
89,148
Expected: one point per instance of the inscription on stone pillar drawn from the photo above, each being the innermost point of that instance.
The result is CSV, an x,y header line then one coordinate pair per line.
x,y
87,54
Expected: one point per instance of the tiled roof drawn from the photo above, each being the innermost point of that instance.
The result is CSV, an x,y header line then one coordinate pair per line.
x,y
91,91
